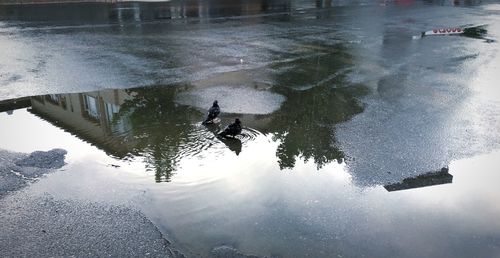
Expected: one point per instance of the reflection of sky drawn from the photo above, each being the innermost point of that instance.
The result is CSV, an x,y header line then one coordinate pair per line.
x,y
24,132
218,198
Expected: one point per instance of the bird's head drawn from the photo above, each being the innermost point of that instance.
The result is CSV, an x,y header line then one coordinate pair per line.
x,y
237,121
216,103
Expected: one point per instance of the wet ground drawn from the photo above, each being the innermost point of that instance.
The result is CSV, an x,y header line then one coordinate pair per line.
x,y
35,224
342,111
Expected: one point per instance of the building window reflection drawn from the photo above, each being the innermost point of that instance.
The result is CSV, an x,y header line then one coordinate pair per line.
x,y
91,106
54,98
111,111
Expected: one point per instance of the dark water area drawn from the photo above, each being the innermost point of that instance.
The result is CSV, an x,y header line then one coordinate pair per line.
x,y
358,138
140,11
151,122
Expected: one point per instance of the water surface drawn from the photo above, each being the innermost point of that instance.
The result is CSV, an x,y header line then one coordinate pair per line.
x,y
342,111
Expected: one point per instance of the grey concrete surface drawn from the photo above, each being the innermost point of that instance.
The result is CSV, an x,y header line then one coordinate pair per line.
x,y
18,169
40,226
34,225
225,251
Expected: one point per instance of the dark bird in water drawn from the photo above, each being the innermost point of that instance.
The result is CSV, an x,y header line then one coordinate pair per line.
x,y
213,112
232,129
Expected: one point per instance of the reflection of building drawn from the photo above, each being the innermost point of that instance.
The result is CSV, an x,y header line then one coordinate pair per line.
x,y
134,12
428,179
92,116
13,104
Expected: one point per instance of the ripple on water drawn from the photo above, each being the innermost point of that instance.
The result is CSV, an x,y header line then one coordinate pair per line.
x,y
165,151
206,138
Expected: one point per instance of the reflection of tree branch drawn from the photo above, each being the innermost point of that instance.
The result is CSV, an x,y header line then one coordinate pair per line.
x,y
305,122
160,126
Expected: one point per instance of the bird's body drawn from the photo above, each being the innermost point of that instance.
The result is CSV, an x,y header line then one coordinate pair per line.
x,y
213,112
232,129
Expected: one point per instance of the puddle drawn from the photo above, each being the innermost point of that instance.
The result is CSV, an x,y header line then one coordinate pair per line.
x,y
341,146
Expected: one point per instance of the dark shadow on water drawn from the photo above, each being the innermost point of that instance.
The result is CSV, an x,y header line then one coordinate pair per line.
x,y
428,179
234,144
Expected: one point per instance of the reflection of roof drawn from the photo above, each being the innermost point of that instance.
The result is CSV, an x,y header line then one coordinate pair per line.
x,y
13,104
114,149
428,179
